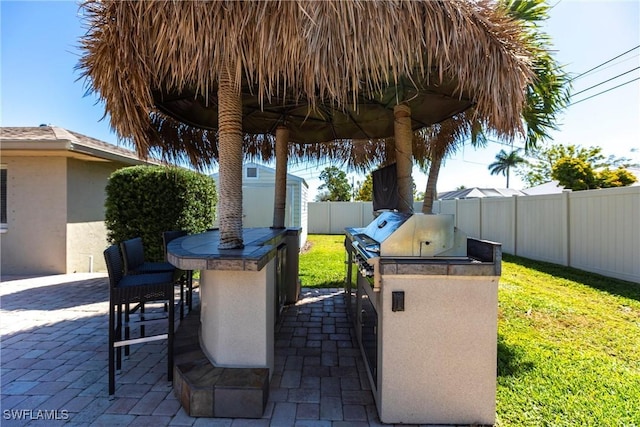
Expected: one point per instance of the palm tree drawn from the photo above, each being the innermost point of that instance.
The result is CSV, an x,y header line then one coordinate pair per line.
x,y
504,162
546,96
442,140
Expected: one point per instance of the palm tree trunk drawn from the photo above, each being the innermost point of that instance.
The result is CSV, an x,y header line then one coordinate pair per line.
x,y
432,183
230,160
507,176
403,136
280,196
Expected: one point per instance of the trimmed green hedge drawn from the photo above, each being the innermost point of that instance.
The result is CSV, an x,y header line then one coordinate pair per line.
x,y
145,201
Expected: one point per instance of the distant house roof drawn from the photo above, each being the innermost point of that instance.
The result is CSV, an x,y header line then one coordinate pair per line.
x,y
551,187
271,171
477,193
53,140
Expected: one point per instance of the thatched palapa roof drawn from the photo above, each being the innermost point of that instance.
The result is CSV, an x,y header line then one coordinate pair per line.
x,y
312,65
198,146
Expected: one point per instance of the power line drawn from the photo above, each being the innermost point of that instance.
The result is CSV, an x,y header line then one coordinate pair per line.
x,y
475,163
309,168
506,144
557,3
605,81
605,91
613,64
604,63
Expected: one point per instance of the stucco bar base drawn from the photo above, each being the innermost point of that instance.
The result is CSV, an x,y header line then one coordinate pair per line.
x,y
228,374
238,316
436,350
438,357
205,390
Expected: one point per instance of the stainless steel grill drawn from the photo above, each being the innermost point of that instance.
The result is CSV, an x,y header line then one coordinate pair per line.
x,y
402,235
422,296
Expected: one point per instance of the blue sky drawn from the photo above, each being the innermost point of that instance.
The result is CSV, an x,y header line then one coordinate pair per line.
x,y
39,83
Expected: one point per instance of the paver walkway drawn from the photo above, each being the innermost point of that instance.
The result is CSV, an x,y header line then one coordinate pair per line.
x,y
53,360
54,363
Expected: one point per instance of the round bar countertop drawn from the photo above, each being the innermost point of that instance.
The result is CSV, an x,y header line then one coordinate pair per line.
x,y
200,251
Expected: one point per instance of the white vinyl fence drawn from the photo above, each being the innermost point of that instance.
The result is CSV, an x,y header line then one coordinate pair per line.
x,y
595,230
334,217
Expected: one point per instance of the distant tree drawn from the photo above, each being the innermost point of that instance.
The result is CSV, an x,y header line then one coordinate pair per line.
x,y
542,161
574,173
505,162
414,191
364,192
336,186
323,196
620,177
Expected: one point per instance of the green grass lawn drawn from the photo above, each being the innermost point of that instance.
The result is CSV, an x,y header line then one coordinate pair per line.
x,y
323,266
568,341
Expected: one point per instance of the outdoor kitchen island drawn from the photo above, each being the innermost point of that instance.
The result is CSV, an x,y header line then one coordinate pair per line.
x,y
424,301
225,358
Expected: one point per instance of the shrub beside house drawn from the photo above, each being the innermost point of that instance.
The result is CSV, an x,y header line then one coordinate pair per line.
x,y
145,201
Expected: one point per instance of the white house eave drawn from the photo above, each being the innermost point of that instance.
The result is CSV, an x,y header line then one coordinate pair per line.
x,y
113,156
30,145
68,148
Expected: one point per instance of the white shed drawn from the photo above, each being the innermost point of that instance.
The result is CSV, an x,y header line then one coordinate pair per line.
x,y
258,183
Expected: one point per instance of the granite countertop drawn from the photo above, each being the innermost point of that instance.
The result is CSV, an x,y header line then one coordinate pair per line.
x,y
438,266
200,251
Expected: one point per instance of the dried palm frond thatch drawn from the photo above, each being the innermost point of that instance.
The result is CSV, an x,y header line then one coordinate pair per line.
x,y
199,147
442,56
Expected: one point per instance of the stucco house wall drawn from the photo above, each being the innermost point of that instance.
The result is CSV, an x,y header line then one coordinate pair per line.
x,y
55,194
86,231
34,241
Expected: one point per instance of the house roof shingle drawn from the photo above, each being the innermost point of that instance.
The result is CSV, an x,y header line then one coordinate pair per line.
x,y
57,138
478,193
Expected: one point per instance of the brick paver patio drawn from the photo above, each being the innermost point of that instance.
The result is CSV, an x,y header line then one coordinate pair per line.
x,y
54,363
53,359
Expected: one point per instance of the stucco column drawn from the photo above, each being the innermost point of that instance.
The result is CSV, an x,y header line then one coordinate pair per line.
x,y
280,196
403,136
